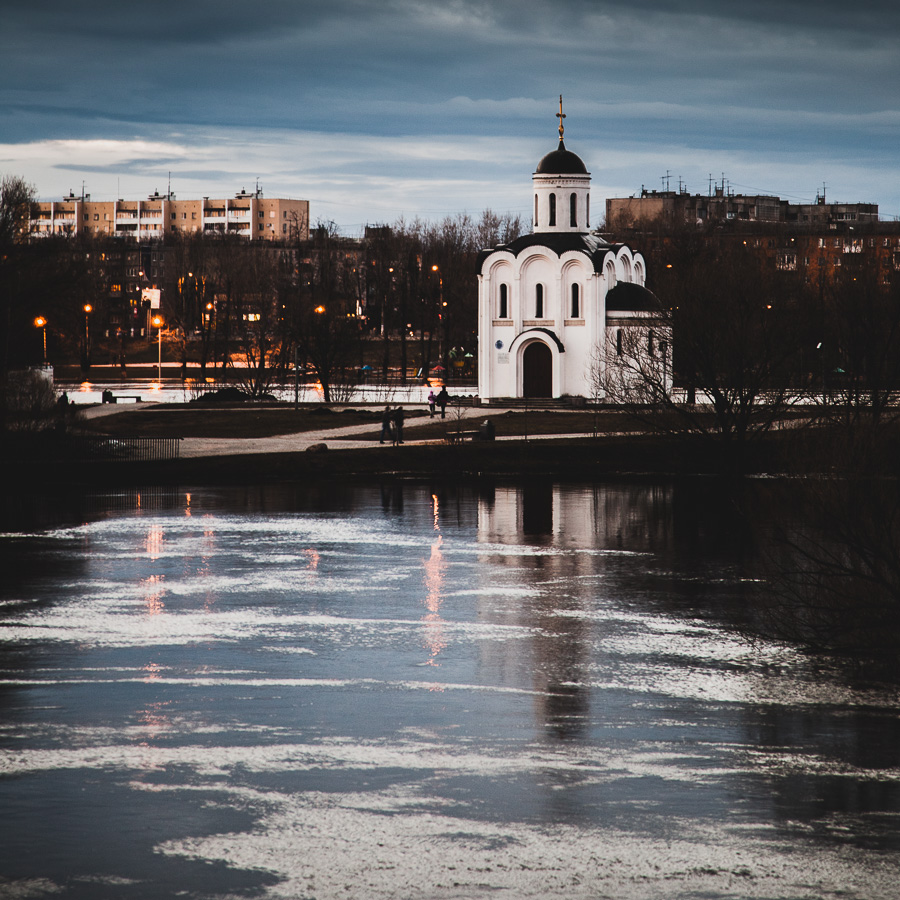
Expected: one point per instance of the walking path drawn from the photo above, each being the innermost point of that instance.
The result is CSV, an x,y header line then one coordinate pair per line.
x,y
347,438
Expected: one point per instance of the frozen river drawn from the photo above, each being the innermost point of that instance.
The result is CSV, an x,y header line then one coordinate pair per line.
x,y
413,692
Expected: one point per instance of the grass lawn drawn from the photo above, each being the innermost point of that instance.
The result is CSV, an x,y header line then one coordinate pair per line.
x,y
243,422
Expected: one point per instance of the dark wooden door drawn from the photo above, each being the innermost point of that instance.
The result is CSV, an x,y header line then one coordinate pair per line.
x,y
537,371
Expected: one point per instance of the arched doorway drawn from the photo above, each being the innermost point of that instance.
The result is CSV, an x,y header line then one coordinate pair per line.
x,y
537,370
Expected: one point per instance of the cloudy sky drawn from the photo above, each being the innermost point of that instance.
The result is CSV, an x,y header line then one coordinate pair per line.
x,y
377,109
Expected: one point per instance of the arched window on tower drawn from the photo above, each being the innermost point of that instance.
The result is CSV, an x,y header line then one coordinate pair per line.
x,y
576,302
552,209
587,211
535,209
504,302
573,210
539,300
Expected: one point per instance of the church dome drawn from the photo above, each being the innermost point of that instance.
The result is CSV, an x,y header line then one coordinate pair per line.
x,y
561,162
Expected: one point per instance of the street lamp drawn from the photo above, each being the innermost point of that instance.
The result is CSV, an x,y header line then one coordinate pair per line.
x,y
442,318
41,322
86,358
157,322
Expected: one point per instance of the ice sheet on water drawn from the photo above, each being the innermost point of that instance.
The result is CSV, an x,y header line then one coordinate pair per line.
x,y
396,843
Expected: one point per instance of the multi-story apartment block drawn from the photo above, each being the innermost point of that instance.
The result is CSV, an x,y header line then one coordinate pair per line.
x,y
247,214
671,208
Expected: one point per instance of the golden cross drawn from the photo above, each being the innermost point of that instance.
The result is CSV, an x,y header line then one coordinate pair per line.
x,y
560,115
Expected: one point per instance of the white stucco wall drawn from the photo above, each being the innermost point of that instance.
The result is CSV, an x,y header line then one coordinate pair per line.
x,y
502,341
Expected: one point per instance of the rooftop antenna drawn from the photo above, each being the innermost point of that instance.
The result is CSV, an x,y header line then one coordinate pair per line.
x,y
709,188
561,115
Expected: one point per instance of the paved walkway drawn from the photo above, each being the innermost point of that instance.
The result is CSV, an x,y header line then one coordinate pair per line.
x,y
347,438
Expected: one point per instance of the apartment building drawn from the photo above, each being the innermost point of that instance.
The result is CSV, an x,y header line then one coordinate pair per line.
x,y
672,208
248,215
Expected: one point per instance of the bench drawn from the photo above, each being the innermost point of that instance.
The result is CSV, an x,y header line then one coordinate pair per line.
x,y
456,436
479,434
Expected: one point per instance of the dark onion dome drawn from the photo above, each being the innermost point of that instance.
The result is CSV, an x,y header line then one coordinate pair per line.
x,y
628,297
561,162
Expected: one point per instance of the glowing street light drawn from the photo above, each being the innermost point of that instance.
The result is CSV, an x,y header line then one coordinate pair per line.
x,y
86,359
158,322
41,322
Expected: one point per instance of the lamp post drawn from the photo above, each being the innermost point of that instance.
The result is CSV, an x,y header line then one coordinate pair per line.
x,y
86,357
41,322
442,318
157,322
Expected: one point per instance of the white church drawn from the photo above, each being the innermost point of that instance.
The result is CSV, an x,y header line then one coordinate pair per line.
x,y
558,308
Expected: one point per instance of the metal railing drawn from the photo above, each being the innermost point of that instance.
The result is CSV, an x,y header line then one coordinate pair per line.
x,y
130,449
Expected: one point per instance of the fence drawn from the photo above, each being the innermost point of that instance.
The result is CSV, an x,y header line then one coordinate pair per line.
x,y
131,449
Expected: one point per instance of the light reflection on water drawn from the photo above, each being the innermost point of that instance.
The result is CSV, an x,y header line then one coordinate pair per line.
x,y
423,692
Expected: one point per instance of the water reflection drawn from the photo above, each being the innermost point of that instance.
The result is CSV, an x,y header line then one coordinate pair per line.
x,y
435,573
383,690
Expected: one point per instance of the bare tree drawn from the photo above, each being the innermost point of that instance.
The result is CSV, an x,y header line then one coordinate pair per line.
x,y
323,309
16,201
859,346
248,313
725,335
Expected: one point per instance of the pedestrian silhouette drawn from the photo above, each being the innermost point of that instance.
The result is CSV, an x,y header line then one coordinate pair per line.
x,y
387,420
443,398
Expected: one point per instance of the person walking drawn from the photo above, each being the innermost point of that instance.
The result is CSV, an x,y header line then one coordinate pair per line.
x,y
398,425
431,402
443,398
387,421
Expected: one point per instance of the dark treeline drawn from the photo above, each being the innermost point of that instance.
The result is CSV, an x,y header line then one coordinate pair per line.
x,y
257,307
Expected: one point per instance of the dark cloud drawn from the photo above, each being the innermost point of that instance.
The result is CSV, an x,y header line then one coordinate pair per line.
x,y
814,79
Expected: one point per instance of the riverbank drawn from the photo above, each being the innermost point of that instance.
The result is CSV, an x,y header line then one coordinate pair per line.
x,y
232,445
559,457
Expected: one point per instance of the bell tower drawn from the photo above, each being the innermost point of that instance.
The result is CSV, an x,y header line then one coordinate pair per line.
x,y
562,190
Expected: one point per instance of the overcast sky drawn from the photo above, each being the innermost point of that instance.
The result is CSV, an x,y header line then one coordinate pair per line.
x,y
389,108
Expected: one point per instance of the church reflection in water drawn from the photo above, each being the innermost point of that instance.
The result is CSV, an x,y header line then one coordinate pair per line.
x,y
562,547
